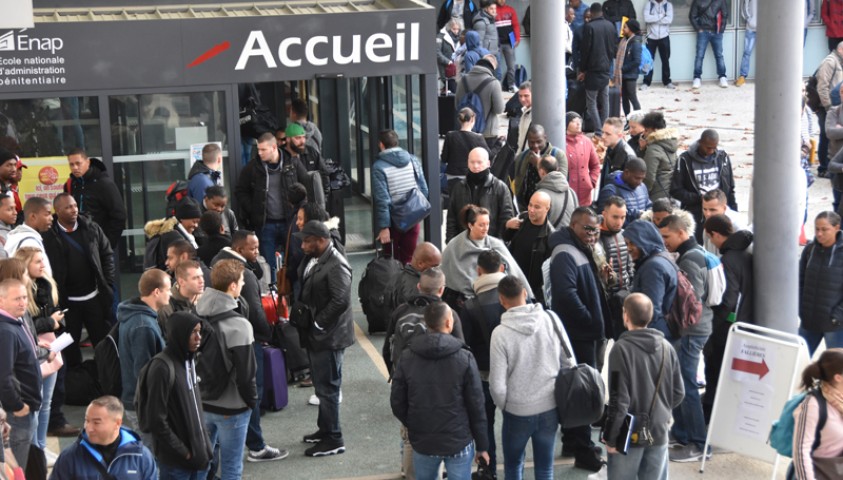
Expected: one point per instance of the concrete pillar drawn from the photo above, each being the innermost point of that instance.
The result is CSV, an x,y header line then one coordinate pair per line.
x,y
429,91
547,55
776,173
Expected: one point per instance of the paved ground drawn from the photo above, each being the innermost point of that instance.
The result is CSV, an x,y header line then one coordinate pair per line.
x,y
371,432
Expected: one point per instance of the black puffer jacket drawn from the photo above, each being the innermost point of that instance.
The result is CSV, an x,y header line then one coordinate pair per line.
x,y
175,409
493,195
436,394
99,254
820,295
327,291
703,15
99,199
252,185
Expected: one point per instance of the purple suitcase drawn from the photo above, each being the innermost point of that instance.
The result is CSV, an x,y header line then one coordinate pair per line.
x,y
274,379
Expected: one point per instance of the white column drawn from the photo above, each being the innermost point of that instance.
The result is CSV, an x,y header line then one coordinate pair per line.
x,y
547,55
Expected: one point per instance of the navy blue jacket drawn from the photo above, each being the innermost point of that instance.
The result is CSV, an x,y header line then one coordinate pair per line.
x,y
132,460
820,295
637,200
576,293
655,272
20,375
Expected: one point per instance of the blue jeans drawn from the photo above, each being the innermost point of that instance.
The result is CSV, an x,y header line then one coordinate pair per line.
x,y
832,339
458,466
42,419
645,463
748,47
326,373
688,419
716,41
20,438
254,435
166,472
272,236
516,431
230,432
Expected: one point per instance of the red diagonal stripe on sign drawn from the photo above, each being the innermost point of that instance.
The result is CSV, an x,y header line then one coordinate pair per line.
x,y
210,53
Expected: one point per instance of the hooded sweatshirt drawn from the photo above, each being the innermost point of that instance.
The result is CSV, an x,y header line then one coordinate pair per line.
x,y
524,360
178,421
695,175
473,51
563,200
140,340
26,236
736,256
655,272
241,392
634,364
437,395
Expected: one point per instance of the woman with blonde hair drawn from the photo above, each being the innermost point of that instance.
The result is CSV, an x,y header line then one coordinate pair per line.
x,y
43,320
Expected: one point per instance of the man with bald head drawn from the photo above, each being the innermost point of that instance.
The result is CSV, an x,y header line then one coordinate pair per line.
x,y
526,164
481,188
526,235
405,284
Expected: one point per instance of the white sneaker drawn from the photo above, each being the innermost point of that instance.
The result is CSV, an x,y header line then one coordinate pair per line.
x,y
670,86
314,400
51,457
723,83
696,85
644,87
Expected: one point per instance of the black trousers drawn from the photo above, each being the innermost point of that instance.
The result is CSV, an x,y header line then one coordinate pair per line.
x,y
663,46
95,316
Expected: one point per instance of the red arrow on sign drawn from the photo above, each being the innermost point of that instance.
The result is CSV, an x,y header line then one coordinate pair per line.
x,y
754,368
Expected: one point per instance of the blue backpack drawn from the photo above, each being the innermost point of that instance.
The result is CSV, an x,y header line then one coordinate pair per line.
x,y
471,99
781,435
646,60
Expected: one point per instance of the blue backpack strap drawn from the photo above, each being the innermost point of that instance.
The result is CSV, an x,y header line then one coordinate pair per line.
x,y
821,419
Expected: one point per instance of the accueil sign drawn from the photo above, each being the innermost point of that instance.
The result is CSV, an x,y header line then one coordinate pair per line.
x,y
400,45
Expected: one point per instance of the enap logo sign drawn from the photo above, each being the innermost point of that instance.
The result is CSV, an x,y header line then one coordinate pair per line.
x,y
9,42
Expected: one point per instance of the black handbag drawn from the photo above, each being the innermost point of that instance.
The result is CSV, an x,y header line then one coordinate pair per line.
x,y
301,316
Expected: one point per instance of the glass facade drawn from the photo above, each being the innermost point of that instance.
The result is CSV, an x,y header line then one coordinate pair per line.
x,y
50,126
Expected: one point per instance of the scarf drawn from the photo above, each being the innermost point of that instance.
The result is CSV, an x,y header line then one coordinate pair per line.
x,y
619,59
459,262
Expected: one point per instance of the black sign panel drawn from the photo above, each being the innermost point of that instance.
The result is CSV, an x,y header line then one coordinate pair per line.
x,y
190,52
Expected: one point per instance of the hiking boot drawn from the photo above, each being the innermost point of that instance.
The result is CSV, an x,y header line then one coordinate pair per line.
x,y
688,453
724,83
588,460
325,448
313,437
740,81
696,84
267,454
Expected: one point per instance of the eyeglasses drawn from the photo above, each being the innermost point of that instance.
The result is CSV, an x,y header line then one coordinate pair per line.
x,y
590,229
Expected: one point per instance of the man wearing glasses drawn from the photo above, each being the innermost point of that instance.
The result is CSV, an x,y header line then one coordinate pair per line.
x,y
577,298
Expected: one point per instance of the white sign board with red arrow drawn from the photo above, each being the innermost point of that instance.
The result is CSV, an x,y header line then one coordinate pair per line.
x,y
758,375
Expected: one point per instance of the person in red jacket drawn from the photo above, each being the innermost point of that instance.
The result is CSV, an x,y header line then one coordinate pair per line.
x,y
832,15
509,36
583,163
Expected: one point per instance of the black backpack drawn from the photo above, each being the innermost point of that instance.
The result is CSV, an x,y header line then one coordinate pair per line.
x,y
152,256
375,287
175,193
107,356
213,360
407,327
143,390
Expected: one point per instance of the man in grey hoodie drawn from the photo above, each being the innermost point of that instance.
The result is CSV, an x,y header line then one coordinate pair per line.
x,y
563,200
524,360
644,380
227,415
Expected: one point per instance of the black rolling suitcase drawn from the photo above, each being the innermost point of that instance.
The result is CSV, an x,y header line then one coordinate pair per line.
x,y
375,289
447,114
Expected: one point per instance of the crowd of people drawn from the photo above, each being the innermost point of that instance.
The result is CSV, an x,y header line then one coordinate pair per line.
x,y
548,258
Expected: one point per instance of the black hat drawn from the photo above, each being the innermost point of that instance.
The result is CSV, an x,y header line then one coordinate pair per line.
x,y
313,228
570,117
188,208
633,26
